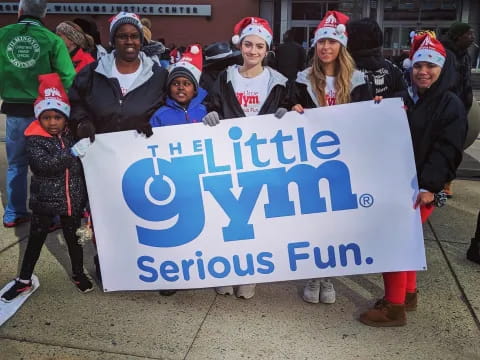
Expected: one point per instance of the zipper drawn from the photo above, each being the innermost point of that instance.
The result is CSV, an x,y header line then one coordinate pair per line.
x,y
67,181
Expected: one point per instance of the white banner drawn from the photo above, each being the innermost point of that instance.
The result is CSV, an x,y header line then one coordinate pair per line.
x,y
258,199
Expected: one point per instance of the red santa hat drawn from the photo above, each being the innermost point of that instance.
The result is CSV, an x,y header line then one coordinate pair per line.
x,y
332,26
190,65
51,95
426,47
252,26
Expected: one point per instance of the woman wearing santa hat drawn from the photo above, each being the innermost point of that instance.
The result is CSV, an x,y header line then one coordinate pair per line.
x,y
251,88
332,79
438,127
247,90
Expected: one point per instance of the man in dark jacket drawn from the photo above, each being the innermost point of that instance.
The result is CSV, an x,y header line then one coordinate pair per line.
x,y
459,38
365,41
27,49
290,57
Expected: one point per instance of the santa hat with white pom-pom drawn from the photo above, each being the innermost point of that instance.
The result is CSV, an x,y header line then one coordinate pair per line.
x,y
189,66
425,47
332,26
252,26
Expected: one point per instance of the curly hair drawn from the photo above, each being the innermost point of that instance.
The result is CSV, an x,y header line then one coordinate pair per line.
x,y
344,67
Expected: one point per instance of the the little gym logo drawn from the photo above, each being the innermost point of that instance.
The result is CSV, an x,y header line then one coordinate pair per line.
x,y
169,193
23,51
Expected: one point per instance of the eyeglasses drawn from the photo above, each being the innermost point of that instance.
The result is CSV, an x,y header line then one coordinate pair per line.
x,y
125,37
184,83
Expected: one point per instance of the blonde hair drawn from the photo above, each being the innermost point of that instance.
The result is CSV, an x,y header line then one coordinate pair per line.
x,y
344,67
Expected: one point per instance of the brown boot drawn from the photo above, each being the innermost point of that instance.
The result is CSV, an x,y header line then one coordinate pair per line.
x,y
385,314
411,301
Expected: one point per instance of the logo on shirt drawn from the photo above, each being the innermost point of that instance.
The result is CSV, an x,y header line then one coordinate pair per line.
x,y
23,51
249,101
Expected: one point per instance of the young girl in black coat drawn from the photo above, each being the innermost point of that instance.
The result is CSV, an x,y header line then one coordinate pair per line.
x,y
57,185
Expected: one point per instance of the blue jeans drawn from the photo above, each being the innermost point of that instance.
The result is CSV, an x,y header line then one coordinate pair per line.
x,y
17,168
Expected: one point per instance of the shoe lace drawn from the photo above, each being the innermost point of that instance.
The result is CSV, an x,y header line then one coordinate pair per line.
x,y
327,285
313,284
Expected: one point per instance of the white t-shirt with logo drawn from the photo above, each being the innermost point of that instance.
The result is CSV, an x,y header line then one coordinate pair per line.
x,y
330,92
251,92
126,80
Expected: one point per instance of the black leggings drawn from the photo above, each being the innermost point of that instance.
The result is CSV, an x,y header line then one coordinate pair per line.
x,y
38,233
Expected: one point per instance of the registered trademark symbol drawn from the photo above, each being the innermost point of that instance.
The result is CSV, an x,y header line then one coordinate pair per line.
x,y
366,200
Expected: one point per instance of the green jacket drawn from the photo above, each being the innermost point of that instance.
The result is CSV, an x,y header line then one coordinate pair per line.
x,y
29,49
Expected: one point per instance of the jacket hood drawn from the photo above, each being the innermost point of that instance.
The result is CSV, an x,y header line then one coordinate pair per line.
x,y
197,100
153,48
275,77
35,129
303,77
450,45
445,82
107,62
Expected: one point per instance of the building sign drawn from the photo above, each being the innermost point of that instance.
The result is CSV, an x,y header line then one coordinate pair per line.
x,y
107,9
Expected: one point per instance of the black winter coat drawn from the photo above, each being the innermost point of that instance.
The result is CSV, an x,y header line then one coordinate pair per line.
x,y
301,93
438,126
290,59
383,78
96,97
463,66
57,186
222,96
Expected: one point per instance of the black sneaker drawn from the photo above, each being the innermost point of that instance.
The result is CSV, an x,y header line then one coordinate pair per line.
x,y
16,289
82,282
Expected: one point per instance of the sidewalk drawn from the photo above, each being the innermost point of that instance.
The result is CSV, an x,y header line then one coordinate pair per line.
x,y
58,322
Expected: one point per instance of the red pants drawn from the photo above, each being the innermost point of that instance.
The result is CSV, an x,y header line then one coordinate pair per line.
x,y
397,284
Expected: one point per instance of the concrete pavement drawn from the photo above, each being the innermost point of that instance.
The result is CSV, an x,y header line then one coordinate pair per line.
x,y
58,322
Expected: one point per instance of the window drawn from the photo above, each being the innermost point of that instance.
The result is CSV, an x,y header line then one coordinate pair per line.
x,y
420,10
312,10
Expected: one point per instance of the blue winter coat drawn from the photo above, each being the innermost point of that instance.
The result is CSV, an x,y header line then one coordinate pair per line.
x,y
174,114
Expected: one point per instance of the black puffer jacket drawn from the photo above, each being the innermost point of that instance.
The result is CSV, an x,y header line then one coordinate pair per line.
x,y
222,97
438,126
95,96
301,92
463,66
57,186
383,78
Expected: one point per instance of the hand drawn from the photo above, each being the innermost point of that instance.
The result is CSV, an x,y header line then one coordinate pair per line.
x,y
377,99
80,148
280,112
424,198
86,130
211,119
298,108
146,129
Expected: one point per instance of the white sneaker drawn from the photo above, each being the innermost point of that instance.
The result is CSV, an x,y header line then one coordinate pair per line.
x,y
311,291
246,291
327,292
224,290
